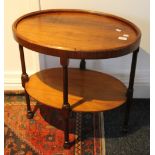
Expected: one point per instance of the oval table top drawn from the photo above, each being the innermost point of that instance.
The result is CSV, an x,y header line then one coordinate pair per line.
x,y
76,34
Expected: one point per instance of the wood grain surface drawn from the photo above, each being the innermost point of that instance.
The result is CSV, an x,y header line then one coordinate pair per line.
x,y
76,34
89,91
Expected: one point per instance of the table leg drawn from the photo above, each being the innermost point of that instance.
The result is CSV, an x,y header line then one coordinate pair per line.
x,y
29,111
66,106
24,79
83,64
66,111
130,90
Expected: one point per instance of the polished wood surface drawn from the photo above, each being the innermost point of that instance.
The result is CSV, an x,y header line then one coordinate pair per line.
x,y
76,34
89,91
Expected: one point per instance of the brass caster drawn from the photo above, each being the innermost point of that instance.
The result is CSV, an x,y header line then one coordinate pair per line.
x,y
66,145
30,115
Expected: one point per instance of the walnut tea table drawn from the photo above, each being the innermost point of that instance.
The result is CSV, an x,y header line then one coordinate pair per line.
x,y
77,34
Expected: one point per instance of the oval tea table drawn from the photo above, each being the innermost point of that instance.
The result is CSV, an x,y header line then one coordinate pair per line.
x,y
77,34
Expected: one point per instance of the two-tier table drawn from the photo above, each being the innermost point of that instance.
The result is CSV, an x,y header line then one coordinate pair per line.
x,y
77,34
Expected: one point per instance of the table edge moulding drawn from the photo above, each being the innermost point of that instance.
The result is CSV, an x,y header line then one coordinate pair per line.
x,y
69,33
73,52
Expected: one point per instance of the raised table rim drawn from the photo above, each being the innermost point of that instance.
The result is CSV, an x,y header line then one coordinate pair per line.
x,y
69,53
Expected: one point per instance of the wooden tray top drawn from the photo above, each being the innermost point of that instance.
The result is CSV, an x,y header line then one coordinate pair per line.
x,y
76,34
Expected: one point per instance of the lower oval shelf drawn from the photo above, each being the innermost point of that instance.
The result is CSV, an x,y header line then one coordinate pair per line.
x,y
89,91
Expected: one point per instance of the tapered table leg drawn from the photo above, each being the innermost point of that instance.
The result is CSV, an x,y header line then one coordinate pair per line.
x,y
66,106
66,111
24,79
29,111
130,90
